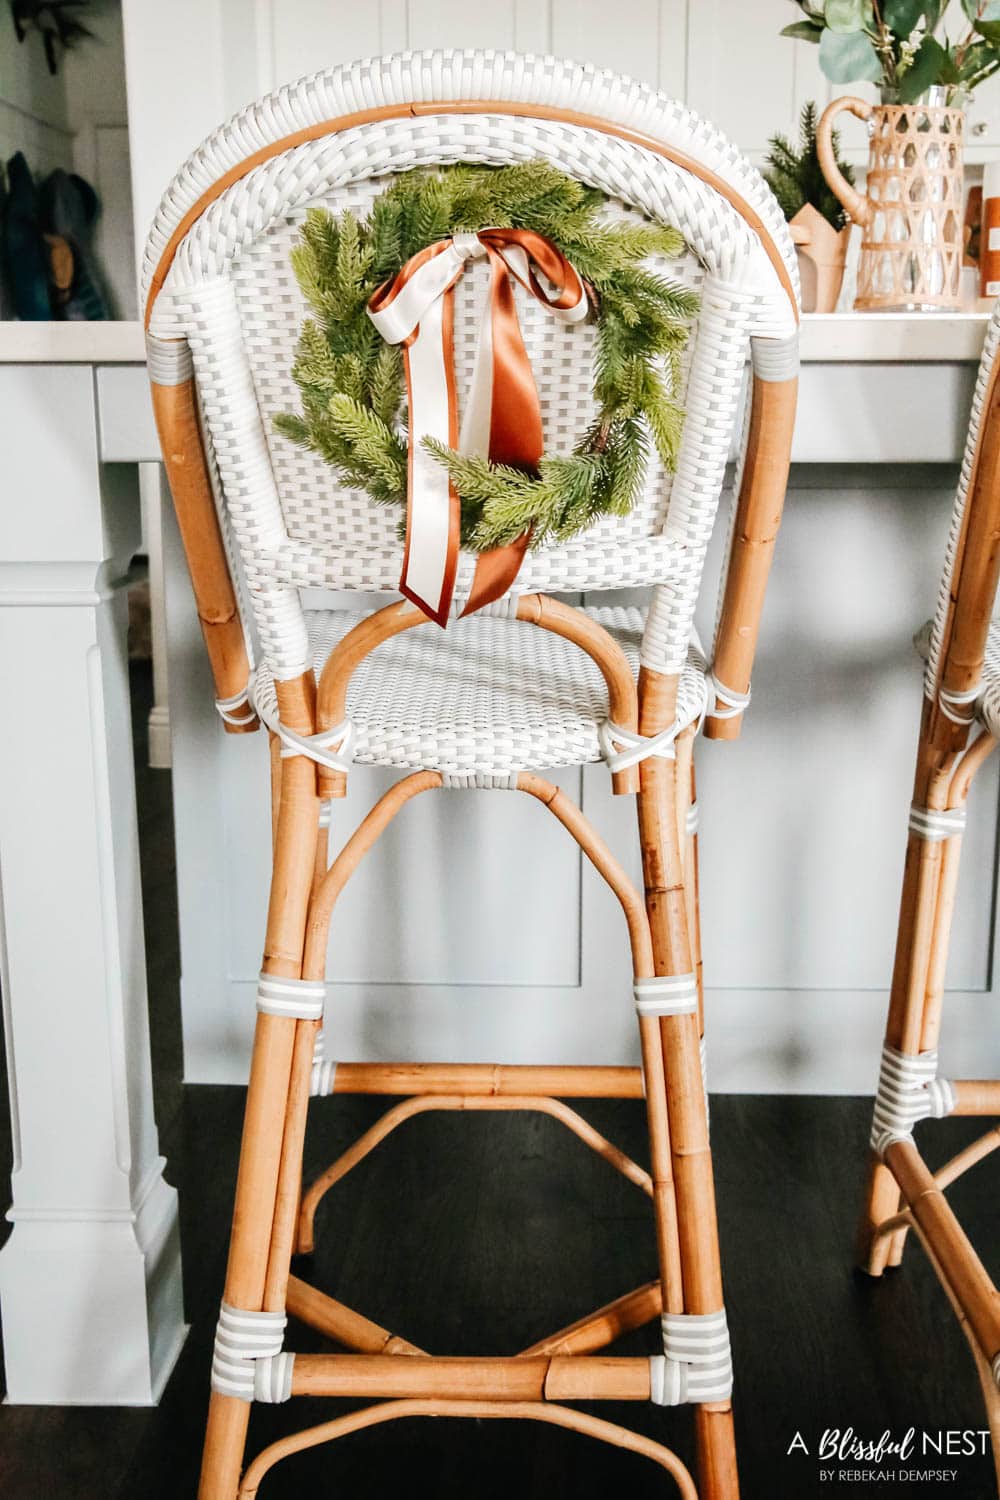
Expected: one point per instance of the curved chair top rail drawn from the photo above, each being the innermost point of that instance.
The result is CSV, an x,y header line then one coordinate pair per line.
x,y
440,82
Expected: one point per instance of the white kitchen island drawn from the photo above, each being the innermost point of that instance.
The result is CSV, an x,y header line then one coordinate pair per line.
x,y
799,888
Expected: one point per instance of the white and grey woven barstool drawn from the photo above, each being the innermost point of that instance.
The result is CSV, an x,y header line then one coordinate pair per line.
x,y
526,684
959,729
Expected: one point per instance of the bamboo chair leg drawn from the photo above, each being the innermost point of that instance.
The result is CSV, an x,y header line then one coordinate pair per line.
x,y
904,1029
687,794
279,1071
685,1123
951,851
928,903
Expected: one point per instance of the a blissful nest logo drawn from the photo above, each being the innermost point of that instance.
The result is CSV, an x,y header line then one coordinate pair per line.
x,y
847,1456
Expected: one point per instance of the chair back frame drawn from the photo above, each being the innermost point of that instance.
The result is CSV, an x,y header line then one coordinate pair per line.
x,y
220,467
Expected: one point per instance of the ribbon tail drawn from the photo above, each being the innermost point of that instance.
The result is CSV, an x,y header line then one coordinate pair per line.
x,y
495,572
433,511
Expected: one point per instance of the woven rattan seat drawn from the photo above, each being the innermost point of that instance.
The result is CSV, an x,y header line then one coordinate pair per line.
x,y
488,697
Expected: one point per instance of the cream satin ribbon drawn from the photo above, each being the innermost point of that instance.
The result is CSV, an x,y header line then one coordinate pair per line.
x,y
502,419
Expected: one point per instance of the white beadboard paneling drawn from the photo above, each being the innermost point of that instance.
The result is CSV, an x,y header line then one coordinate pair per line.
x,y
392,25
673,39
623,38
456,23
313,34
174,58
533,26
740,73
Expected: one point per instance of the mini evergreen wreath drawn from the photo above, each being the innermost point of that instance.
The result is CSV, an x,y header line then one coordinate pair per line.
x,y
351,382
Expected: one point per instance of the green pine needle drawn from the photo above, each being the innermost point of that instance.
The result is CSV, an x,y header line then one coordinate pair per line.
x,y
351,383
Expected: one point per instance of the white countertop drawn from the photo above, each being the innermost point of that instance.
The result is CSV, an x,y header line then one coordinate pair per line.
x,y
835,338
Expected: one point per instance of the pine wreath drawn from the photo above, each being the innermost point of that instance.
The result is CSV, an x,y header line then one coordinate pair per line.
x,y
351,382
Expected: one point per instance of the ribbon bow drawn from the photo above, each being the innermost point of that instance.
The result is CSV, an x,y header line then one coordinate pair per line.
x,y
502,419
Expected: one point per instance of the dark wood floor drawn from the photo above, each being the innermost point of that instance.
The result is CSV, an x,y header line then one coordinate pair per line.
x,y
479,1235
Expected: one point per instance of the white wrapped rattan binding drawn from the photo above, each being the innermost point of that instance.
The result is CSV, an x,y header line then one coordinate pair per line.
x,y
692,819
247,1362
775,359
301,999
909,1090
622,748
333,748
666,995
324,1070
330,747
697,1362
935,824
735,703
229,709
168,361
960,708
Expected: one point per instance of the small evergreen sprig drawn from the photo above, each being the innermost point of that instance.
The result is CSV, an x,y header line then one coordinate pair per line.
x,y
351,383
795,176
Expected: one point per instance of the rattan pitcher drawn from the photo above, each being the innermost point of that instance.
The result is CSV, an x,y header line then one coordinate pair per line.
x,y
911,214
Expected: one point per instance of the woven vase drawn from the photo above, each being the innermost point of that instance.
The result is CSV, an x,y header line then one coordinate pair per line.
x,y
911,214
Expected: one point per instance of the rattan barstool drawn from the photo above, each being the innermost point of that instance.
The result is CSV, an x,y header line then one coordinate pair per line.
x,y
526,684
959,728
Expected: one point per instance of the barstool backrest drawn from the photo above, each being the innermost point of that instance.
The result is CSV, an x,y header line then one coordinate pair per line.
x,y
222,301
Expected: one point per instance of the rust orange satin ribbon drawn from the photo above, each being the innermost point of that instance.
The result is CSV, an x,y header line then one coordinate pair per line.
x,y
503,419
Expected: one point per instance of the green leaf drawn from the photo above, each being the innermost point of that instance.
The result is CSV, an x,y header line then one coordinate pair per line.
x,y
902,16
977,57
932,13
925,70
988,29
847,16
849,59
981,10
802,31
